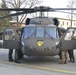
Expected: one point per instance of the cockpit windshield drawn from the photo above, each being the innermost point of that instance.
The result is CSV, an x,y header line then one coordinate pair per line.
x,y
40,32
51,32
28,32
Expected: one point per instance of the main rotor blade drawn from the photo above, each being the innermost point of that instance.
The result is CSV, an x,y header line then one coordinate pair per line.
x,y
16,9
31,10
53,9
19,13
66,12
14,14
36,9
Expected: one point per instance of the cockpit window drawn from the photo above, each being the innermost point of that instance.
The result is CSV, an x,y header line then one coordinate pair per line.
x,y
40,32
29,32
51,32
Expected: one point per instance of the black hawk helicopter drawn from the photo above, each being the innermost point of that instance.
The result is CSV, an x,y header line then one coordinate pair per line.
x,y
40,36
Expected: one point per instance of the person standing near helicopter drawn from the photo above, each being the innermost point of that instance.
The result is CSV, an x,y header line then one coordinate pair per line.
x,y
71,52
64,53
10,53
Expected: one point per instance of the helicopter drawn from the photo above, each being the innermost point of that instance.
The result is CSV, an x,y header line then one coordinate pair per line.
x,y
40,36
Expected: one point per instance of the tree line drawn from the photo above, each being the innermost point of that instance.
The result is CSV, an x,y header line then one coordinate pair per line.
x,y
5,22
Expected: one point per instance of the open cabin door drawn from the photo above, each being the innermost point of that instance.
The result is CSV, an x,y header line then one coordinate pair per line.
x,y
68,41
10,39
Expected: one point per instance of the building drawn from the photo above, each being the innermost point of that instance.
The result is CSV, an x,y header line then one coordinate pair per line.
x,y
14,22
66,23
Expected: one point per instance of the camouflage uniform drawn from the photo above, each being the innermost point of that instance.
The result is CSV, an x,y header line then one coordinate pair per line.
x,y
64,56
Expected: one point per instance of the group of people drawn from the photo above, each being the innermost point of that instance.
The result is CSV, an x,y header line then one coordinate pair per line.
x,y
64,53
17,51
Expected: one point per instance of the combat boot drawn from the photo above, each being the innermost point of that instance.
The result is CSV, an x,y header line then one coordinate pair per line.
x,y
73,60
10,60
65,62
61,62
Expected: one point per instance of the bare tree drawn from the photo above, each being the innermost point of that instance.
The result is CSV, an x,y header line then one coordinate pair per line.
x,y
71,4
22,4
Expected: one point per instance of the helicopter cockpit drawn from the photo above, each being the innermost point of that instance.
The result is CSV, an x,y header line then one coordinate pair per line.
x,y
40,32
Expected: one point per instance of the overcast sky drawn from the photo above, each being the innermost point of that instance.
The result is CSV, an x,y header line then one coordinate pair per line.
x,y
55,3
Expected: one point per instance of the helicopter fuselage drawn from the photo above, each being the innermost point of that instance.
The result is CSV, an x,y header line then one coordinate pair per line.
x,y
40,40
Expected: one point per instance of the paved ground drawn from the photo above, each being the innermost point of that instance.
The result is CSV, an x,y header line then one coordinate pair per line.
x,y
35,66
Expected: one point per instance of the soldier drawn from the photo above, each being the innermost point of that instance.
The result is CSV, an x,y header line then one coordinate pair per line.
x,y
64,53
20,55
71,52
10,53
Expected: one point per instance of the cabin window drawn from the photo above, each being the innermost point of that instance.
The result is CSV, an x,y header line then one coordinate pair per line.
x,y
9,34
71,34
29,32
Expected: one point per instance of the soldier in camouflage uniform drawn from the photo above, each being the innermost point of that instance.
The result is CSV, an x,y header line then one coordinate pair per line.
x,y
64,53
